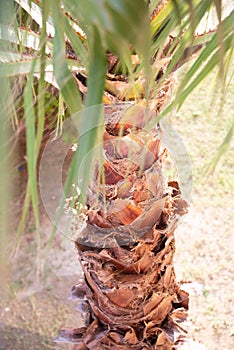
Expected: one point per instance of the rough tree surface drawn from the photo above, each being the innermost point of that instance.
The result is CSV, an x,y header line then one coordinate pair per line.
x,y
129,297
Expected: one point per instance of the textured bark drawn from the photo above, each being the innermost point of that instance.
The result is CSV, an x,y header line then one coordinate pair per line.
x,y
129,297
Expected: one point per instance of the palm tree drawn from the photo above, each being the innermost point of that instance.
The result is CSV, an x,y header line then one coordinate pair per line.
x,y
129,297
127,54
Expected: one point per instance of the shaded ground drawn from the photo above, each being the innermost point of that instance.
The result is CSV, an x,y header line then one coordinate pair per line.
x,y
33,322
31,314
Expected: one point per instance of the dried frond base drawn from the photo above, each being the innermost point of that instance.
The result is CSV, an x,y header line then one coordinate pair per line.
x,y
129,297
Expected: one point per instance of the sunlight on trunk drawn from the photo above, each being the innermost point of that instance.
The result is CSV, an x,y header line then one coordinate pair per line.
x,y
129,297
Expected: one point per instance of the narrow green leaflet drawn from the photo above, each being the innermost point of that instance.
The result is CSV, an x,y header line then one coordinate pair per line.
x,y
221,150
210,49
120,24
41,82
30,118
62,74
5,188
35,13
77,44
186,39
21,67
205,62
213,61
9,67
163,15
7,56
24,37
92,118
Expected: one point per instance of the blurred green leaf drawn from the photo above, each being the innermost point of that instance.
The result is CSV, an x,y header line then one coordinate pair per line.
x,y
35,12
6,56
30,118
213,61
24,37
163,15
120,24
77,44
5,191
6,113
62,73
210,49
221,150
92,118
22,67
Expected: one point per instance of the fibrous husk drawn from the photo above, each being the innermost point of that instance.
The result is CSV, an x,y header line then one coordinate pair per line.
x,y
129,297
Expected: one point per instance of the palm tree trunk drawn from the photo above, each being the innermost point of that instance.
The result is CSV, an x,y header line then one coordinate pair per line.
x,y
129,297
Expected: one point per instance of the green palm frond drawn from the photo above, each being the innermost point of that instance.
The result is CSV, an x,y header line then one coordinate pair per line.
x,y
27,39
148,42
